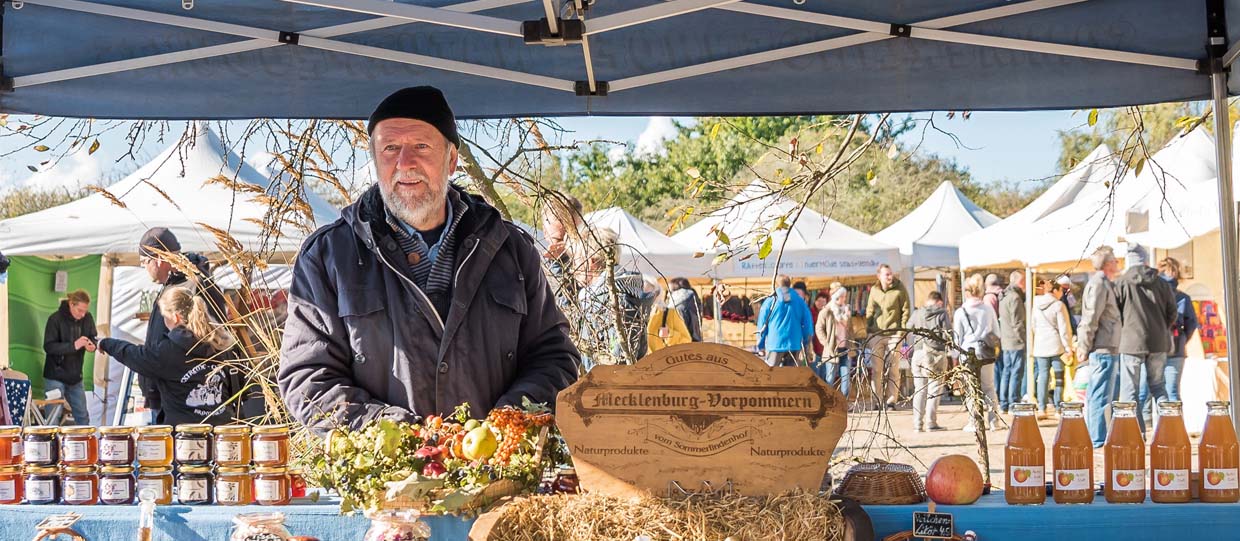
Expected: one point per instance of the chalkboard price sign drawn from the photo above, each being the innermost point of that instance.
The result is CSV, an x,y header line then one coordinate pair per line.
x,y
933,525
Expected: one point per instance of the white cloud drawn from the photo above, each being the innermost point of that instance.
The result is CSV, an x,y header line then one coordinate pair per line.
x,y
75,170
659,129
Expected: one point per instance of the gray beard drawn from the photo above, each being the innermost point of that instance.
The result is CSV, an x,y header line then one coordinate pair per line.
x,y
420,210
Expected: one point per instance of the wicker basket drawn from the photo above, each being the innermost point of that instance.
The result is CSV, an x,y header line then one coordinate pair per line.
x,y
882,483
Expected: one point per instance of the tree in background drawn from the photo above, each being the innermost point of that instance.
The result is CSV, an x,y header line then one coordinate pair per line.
x,y
1132,133
27,200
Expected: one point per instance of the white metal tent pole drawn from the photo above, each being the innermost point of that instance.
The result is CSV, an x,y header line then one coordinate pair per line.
x,y
103,325
1227,227
1029,371
714,298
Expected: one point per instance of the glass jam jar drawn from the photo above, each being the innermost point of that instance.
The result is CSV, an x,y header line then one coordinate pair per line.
x,y
10,485
154,446
259,527
272,485
271,445
10,445
566,482
232,445
195,485
298,484
116,447
42,485
116,485
79,446
403,525
192,446
234,485
80,485
158,480
40,446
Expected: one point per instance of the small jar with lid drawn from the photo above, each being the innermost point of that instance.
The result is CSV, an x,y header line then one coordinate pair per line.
x,y
117,485
10,485
272,485
42,485
298,483
80,485
10,445
79,446
40,445
192,446
158,480
232,445
195,485
566,482
234,485
264,526
271,445
154,446
116,447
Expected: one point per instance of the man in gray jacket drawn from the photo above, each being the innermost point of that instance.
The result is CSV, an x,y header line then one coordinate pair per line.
x,y
1097,339
1010,384
1147,309
421,297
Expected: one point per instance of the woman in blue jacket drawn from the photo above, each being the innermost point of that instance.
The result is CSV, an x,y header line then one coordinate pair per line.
x,y
785,325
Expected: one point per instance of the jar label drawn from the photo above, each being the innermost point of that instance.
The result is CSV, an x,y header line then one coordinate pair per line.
x,y
1170,479
152,450
79,491
1072,480
39,451
114,489
17,448
228,492
114,451
8,490
266,451
268,490
75,451
40,490
192,490
156,486
1027,476
1125,480
191,450
1220,479
228,451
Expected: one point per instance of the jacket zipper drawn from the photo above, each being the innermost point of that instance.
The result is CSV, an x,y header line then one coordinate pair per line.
x,y
457,277
415,287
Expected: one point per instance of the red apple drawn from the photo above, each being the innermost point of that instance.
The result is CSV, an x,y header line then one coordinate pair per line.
x,y
433,469
428,453
954,480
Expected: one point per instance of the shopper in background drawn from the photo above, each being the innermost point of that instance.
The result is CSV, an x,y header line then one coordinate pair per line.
x,y
1147,312
1011,374
1052,338
784,325
833,330
1097,340
974,325
689,304
886,312
1181,331
68,336
929,362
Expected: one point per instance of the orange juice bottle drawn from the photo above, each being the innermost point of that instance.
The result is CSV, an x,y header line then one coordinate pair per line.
x,y
1124,457
1171,456
1073,457
1025,459
1219,456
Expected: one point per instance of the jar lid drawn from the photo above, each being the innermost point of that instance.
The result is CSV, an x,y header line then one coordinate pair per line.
x,y
78,430
155,429
41,470
79,469
271,429
16,468
116,430
10,430
232,429
157,470
270,469
233,469
195,469
568,471
42,430
194,429
107,470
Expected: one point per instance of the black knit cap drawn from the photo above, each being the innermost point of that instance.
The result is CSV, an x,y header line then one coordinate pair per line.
x,y
160,238
425,103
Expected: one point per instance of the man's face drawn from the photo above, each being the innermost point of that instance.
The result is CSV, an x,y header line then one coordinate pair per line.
x,y
1111,268
1020,281
886,277
157,269
413,162
78,309
553,229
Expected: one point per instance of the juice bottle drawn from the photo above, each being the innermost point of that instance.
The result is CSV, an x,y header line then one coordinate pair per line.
x,y
1219,456
1124,457
1073,457
1171,456
1025,459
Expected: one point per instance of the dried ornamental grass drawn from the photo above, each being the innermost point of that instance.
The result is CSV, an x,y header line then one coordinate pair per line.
x,y
793,516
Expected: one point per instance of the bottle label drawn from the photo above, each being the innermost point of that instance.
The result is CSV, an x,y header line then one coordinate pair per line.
x,y
266,451
156,486
42,490
192,490
191,450
79,491
1072,480
1220,479
228,492
75,451
228,451
114,489
1170,479
39,451
17,448
1122,480
114,451
8,490
268,491
152,450
1026,476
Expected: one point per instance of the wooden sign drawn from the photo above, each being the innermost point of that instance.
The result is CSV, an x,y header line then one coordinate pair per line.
x,y
700,415
933,525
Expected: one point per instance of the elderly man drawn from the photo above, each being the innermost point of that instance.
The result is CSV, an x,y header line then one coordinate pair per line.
x,y
1097,339
421,297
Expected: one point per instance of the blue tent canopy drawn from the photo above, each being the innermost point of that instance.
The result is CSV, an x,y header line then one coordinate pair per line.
x,y
337,58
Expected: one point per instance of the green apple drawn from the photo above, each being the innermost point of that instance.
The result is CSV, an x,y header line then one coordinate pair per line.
x,y
479,444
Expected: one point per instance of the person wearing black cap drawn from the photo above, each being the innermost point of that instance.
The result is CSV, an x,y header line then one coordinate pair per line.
x,y
421,297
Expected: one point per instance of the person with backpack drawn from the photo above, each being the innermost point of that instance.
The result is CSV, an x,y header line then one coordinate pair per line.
x,y
784,325
666,328
689,304
929,362
975,327
607,344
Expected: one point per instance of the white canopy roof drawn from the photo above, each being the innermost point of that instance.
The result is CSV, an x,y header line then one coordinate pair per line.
x,y
816,245
1003,243
646,249
96,225
929,236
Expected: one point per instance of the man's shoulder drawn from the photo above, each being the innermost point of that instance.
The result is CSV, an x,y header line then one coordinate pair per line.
x,y
325,238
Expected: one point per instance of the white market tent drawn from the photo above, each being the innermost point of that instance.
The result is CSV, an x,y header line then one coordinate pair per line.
x,y
817,246
646,249
929,236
